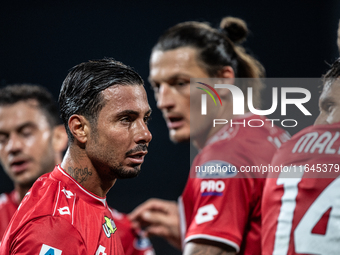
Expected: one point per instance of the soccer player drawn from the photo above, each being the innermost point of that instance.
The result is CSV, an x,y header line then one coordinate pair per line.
x,y
301,207
220,213
28,113
105,111
32,141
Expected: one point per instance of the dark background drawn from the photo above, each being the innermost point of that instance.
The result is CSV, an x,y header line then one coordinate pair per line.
x,y
41,40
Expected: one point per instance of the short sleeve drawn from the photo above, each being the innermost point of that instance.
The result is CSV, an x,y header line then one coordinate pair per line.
x,y
222,207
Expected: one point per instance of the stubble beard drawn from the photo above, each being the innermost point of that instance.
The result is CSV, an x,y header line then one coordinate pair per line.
x,y
122,173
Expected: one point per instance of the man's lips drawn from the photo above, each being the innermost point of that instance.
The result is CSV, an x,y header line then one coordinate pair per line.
x,y
174,121
137,157
19,166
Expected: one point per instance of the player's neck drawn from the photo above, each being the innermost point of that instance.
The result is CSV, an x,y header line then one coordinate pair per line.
x,y
79,166
223,113
200,141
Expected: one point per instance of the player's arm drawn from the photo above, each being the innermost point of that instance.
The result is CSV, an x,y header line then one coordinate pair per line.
x,y
48,235
202,247
161,218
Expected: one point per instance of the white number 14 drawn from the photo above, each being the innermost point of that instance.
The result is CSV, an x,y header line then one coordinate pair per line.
x,y
305,241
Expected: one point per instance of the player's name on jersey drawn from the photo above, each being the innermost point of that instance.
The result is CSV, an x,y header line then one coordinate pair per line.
x,y
325,143
315,154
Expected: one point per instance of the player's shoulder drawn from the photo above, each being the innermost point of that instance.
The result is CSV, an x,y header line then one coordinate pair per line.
x,y
47,234
42,198
263,131
317,139
251,131
120,218
9,202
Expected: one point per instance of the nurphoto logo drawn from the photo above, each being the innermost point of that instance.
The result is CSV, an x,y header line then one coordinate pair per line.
x,y
242,103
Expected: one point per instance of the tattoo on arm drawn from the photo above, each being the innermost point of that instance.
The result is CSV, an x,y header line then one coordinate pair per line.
x,y
79,174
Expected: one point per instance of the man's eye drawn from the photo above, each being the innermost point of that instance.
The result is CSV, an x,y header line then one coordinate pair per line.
x,y
26,132
329,107
181,82
3,138
155,86
126,119
147,119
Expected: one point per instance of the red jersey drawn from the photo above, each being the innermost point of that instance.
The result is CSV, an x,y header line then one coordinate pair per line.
x,y
58,216
223,206
301,205
133,242
9,203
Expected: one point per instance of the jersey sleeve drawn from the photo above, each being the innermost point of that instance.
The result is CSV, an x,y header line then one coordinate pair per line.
x,y
224,207
46,236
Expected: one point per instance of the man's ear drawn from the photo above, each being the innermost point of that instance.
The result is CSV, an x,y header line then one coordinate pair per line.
x,y
59,139
228,77
227,72
79,127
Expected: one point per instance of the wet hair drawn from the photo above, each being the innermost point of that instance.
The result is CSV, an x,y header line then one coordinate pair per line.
x,y
12,94
81,90
333,73
217,48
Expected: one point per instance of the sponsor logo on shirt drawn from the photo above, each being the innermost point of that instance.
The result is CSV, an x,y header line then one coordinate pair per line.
x,y
109,227
212,188
215,169
49,250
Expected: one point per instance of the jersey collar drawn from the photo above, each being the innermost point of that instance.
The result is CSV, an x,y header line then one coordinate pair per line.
x,y
60,174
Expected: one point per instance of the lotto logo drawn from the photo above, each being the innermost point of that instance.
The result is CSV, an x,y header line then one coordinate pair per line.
x,y
48,250
206,213
64,210
67,193
212,188
101,250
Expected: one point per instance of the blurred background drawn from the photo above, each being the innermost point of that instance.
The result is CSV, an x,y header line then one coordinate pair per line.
x,y
41,40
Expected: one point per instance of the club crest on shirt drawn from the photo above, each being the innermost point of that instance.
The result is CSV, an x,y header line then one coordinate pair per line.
x,y
109,227
215,169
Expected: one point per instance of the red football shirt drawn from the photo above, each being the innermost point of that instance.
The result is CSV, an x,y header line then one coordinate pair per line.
x,y
301,206
134,243
58,216
9,203
225,206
